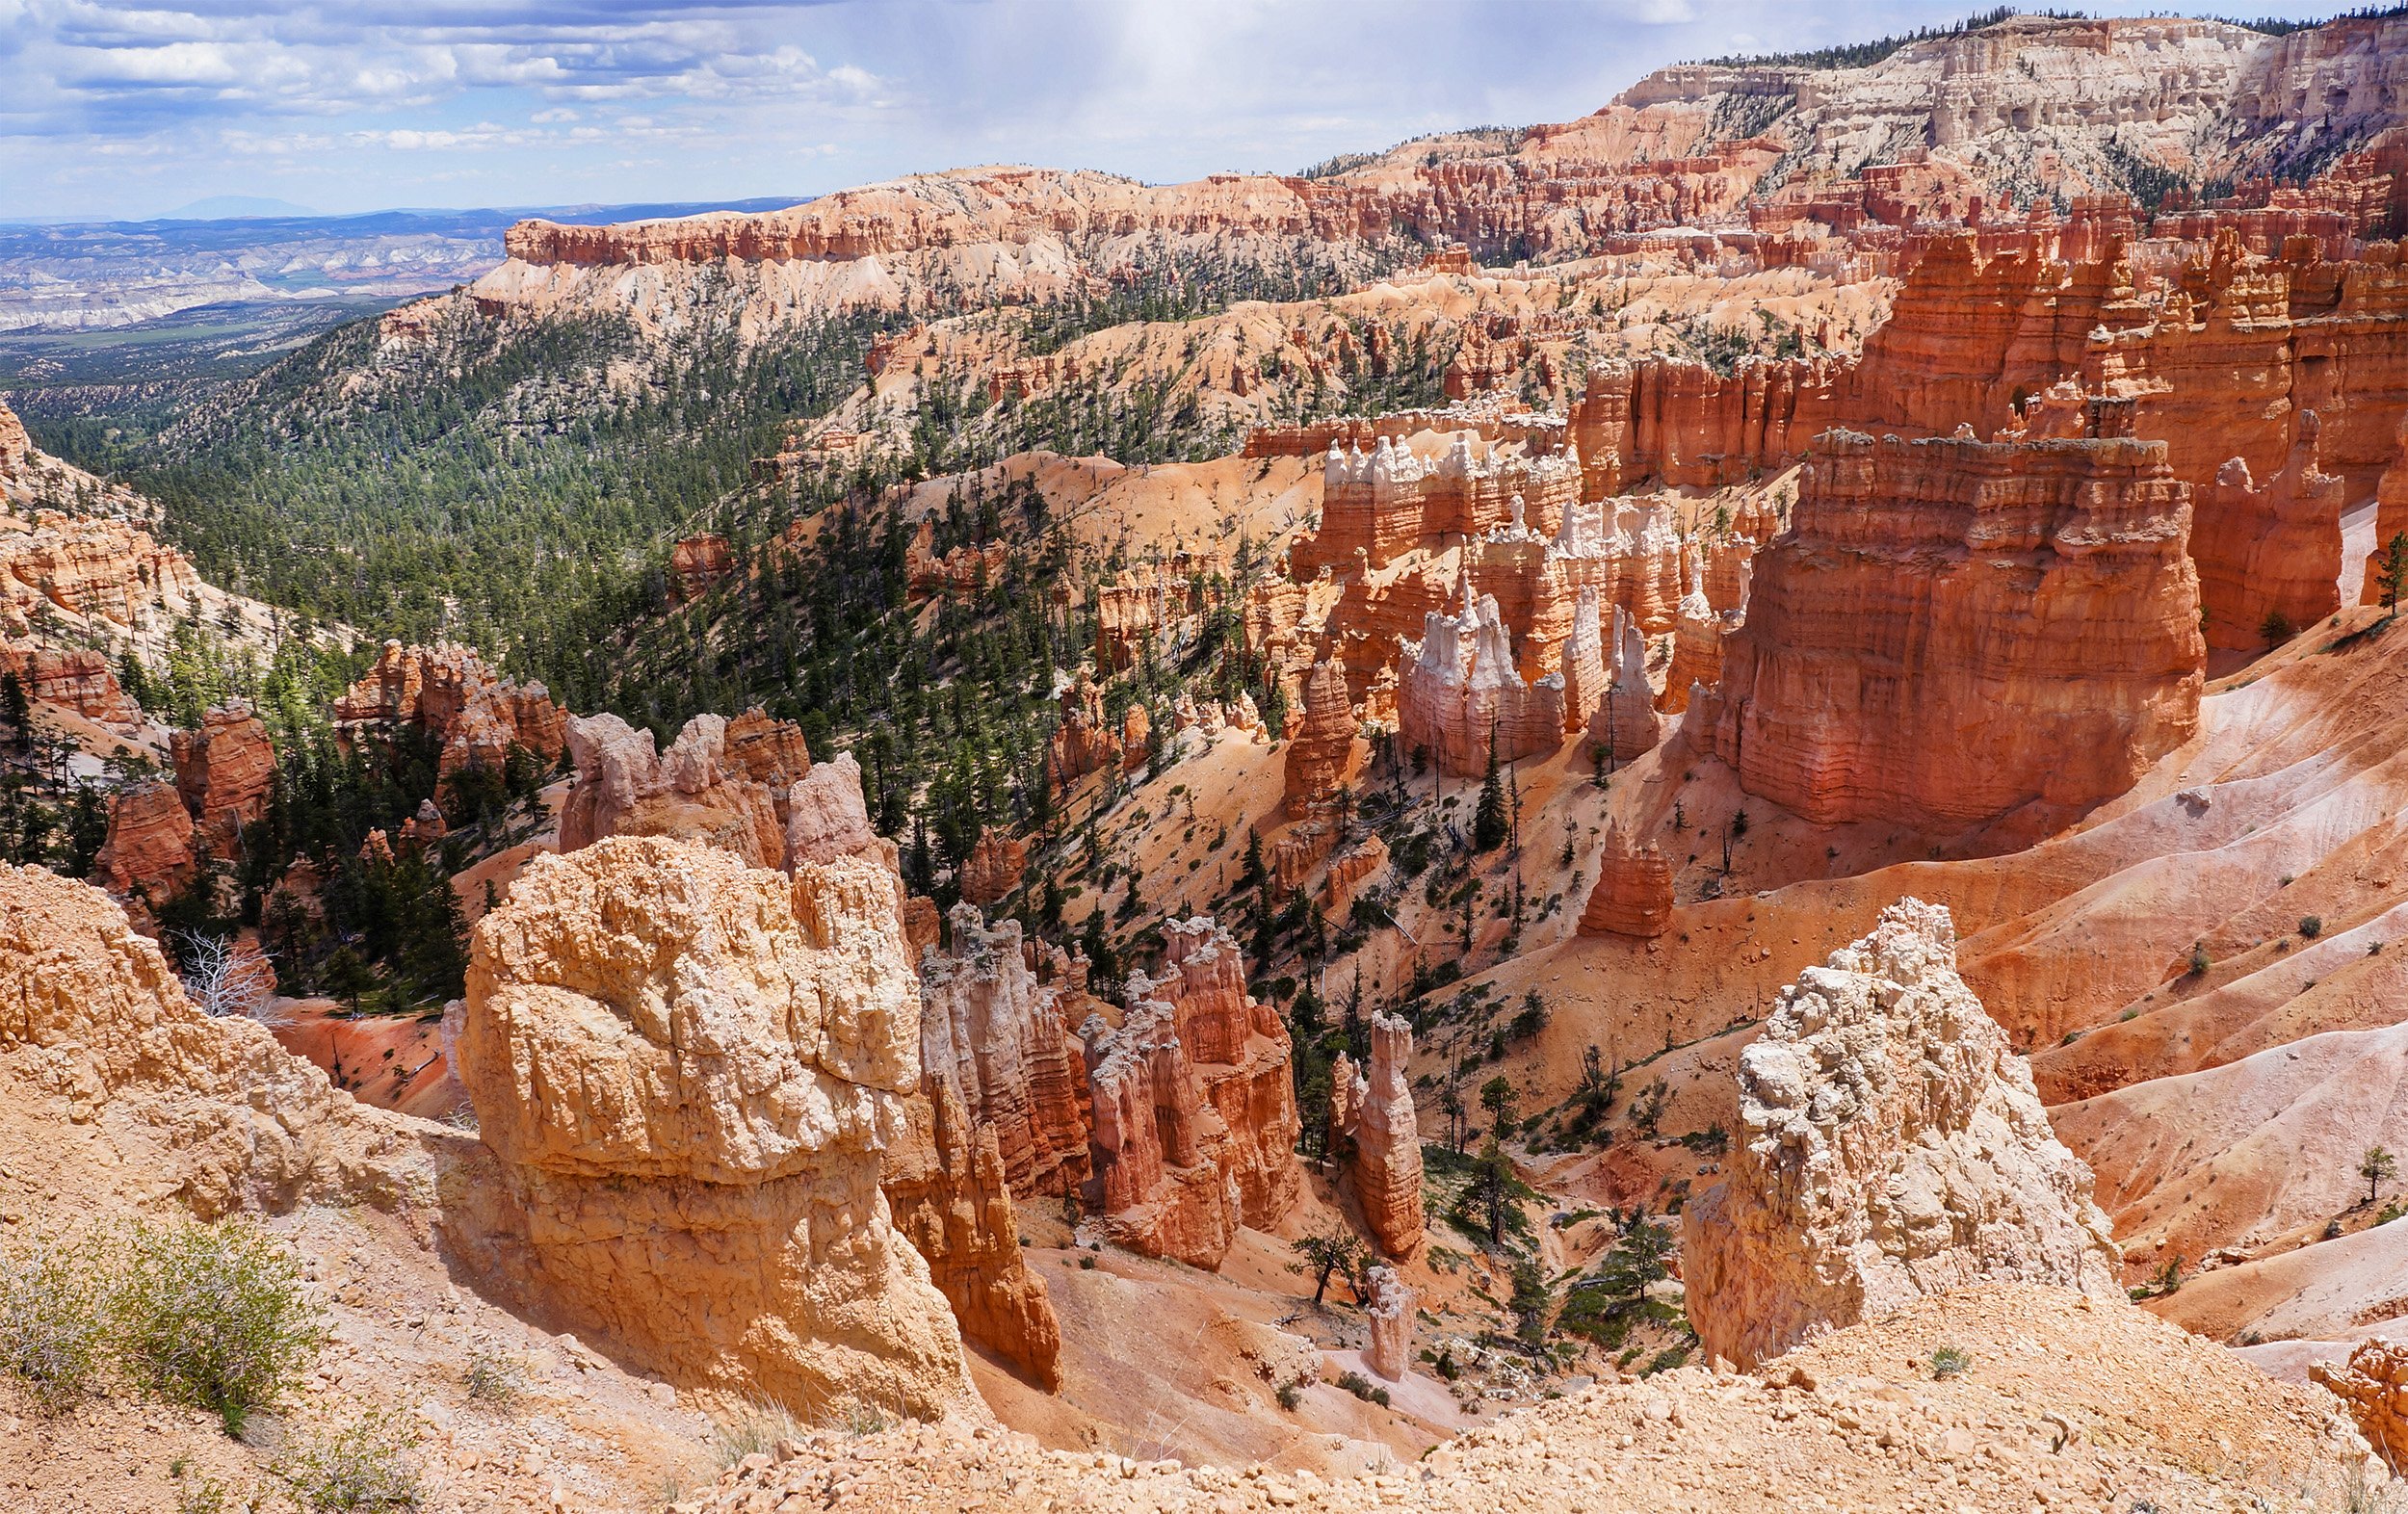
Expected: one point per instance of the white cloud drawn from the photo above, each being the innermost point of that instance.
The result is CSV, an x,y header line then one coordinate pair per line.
x,y
369,102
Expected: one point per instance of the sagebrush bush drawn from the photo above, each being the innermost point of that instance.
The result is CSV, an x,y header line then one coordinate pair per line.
x,y
366,1466
51,1325
213,1315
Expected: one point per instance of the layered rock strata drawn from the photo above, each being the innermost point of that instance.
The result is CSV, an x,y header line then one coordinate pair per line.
x,y
688,1068
73,678
1953,630
1891,1145
1382,505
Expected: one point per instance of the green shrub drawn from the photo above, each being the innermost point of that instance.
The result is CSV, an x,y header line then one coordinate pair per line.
x,y
214,1316
2312,925
1290,1395
364,1466
1950,1361
495,1379
50,1320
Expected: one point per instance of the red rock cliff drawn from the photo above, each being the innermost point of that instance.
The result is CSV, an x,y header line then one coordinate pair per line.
x,y
1952,630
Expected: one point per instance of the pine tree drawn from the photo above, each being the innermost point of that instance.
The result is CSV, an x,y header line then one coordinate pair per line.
x,y
1489,824
2391,569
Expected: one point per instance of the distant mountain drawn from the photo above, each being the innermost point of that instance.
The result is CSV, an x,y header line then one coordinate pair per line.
x,y
247,250
226,207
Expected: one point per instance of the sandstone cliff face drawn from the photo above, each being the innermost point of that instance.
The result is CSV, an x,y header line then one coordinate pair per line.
x,y
1194,1111
1082,742
2374,1383
225,773
1953,630
1374,1111
77,678
696,563
994,866
2270,551
93,572
688,1068
1892,1146
208,1114
474,715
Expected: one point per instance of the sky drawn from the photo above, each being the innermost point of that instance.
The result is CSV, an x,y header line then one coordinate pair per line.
x,y
123,111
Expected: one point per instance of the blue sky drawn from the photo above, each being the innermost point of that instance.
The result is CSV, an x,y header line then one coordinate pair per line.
x,y
128,110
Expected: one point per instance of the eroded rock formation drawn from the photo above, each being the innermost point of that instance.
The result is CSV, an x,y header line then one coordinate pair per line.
x,y
688,1068
694,790
945,1181
1194,1111
1953,630
149,850
1462,700
225,773
2374,1384
76,678
1389,1314
1373,1117
1003,1039
2269,554
696,563
1082,742
1891,1145
994,866
213,1114
1633,892
474,715
1325,750
1625,724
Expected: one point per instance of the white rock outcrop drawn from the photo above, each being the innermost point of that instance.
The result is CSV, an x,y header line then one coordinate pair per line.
x,y
1893,1146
